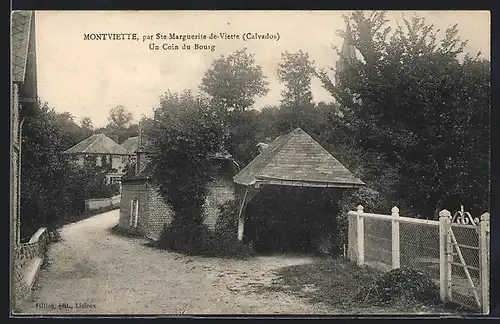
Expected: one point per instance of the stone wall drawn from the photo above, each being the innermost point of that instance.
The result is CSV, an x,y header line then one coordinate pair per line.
x,y
27,260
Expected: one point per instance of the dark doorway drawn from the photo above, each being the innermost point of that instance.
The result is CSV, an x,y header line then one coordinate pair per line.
x,y
290,219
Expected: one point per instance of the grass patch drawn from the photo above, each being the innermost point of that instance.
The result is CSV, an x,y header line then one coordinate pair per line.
x,y
337,283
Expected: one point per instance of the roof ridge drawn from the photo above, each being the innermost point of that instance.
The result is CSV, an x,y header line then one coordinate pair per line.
x,y
266,155
322,147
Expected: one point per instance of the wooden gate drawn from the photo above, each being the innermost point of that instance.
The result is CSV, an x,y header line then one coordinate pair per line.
x,y
467,261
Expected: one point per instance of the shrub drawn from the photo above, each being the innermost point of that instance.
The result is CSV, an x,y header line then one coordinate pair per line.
x,y
225,234
227,223
403,284
187,133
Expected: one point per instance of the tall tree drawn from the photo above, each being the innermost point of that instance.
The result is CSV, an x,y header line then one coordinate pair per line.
x,y
295,71
297,108
419,110
120,116
234,82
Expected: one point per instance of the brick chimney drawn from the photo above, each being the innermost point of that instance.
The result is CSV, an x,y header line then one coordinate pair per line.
x,y
140,154
140,160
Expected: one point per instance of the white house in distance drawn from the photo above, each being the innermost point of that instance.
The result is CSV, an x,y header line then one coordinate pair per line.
x,y
100,149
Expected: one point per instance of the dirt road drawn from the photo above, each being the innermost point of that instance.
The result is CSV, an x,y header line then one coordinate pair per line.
x,y
93,271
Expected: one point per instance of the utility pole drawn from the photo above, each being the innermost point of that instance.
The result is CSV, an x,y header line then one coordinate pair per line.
x,y
140,133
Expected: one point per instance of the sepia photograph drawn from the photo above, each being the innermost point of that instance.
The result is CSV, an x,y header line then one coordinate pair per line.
x,y
191,163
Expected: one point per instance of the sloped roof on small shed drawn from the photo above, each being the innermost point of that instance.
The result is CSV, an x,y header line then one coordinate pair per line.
x,y
296,157
97,144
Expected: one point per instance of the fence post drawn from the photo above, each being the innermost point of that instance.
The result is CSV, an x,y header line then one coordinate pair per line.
x,y
484,236
360,235
395,238
444,265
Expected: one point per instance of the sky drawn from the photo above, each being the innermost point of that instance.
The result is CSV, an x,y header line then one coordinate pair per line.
x,y
89,77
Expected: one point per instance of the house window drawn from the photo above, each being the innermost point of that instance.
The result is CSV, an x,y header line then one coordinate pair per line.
x,y
114,179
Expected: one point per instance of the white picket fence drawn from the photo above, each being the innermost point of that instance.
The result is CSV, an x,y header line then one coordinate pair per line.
x,y
390,241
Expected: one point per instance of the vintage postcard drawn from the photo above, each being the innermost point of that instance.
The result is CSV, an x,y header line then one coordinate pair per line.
x,y
183,163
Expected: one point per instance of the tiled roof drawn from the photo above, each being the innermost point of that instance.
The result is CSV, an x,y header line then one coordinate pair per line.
x,y
131,144
97,144
21,21
296,157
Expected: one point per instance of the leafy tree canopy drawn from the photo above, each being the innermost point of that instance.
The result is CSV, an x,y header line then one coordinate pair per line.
x,y
120,117
422,106
235,81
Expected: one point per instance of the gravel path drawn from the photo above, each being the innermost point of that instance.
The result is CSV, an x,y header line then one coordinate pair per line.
x,y
92,271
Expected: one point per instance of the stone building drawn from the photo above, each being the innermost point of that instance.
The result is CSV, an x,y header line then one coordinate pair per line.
x,y
144,211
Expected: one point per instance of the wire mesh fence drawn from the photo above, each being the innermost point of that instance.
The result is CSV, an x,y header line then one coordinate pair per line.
x,y
419,247
378,243
449,253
